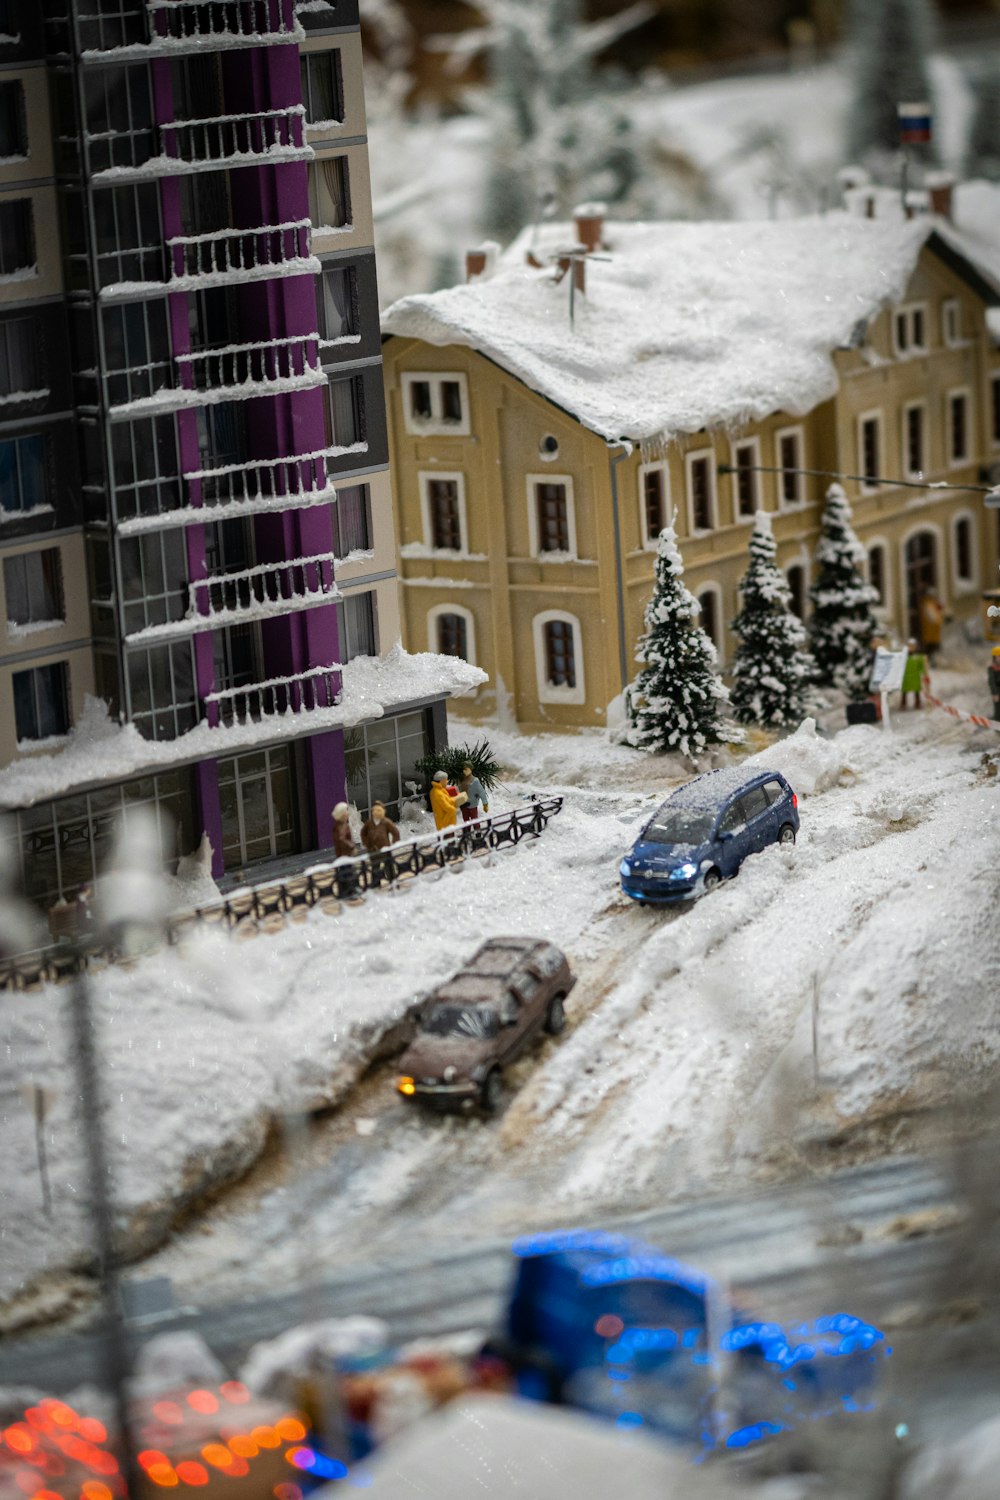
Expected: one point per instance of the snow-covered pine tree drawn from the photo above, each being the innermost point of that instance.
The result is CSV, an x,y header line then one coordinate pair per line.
x,y
674,703
843,620
891,44
772,670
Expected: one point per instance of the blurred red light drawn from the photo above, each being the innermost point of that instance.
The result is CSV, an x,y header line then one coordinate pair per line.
x,y
608,1326
93,1430
189,1472
202,1401
235,1390
169,1412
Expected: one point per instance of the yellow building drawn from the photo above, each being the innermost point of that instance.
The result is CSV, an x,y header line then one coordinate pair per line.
x,y
542,437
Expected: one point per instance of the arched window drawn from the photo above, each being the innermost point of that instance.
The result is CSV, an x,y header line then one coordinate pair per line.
x,y
558,658
963,553
451,631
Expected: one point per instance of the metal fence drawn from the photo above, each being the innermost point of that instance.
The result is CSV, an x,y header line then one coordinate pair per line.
x,y
255,908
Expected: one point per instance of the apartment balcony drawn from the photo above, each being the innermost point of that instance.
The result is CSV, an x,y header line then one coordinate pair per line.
x,y
236,372
230,255
256,701
157,28
250,488
266,589
220,141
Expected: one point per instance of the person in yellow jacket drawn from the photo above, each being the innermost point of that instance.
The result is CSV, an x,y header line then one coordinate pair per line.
x,y
445,801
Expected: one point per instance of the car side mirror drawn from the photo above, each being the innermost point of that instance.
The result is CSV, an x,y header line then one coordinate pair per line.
x,y
725,833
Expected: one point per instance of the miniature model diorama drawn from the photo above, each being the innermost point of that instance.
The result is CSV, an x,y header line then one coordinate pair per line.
x,y
702,834
842,622
481,1019
914,673
195,507
773,672
379,832
760,357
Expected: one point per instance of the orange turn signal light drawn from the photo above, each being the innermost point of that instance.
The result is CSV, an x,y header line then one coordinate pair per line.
x,y
405,1085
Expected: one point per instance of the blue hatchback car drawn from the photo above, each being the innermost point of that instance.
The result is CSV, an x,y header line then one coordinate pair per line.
x,y
704,832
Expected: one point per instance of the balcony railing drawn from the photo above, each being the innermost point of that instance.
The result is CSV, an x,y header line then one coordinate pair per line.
x,y
239,254
268,482
229,140
318,688
268,588
293,359
226,22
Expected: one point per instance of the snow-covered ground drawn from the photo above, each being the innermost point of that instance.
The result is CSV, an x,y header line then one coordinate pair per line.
x,y
689,1055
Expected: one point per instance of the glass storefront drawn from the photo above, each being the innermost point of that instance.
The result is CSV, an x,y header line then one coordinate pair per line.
x,y
382,757
64,844
257,799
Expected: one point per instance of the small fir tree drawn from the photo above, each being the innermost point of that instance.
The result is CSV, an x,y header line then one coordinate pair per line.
x,y
674,702
772,670
892,42
843,620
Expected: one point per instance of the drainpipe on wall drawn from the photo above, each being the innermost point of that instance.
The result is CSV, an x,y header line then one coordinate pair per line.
x,y
614,459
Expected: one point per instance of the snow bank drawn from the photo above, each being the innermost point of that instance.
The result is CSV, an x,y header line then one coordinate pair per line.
x,y
684,326
963,1470
809,763
98,749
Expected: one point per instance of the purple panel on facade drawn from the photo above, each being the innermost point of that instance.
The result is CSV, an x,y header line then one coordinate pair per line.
x,y
206,780
328,781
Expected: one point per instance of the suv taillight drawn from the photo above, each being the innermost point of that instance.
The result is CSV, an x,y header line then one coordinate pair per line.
x,y
795,800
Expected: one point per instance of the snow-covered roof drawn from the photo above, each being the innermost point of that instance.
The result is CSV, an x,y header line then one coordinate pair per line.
x,y
99,750
685,325
974,230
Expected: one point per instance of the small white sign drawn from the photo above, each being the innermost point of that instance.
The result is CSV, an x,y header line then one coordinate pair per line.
x,y
887,670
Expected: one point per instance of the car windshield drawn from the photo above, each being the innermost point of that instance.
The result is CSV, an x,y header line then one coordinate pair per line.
x,y
460,1020
681,825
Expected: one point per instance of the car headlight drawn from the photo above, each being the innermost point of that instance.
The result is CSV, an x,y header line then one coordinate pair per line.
x,y
624,868
683,872
450,1074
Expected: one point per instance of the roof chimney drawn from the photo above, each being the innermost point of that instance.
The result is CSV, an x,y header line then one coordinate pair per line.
x,y
941,187
579,268
588,221
481,262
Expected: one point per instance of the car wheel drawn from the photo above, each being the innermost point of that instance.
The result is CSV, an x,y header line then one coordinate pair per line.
x,y
555,1018
491,1092
787,834
710,880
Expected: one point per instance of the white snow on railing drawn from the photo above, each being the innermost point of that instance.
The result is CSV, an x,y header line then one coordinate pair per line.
x,y
271,360
238,250
262,585
301,692
39,395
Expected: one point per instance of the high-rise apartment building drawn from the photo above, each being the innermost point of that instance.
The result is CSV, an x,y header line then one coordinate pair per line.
x,y
195,517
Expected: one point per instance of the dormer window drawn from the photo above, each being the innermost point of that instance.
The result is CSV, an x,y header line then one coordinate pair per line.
x,y
909,327
951,322
436,403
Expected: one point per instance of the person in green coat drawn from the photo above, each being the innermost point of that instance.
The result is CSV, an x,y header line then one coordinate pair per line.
x,y
913,674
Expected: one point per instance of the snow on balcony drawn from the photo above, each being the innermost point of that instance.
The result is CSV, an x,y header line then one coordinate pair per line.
x,y
228,140
299,693
234,372
163,27
203,260
257,593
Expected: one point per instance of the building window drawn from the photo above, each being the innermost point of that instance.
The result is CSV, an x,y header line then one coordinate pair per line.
x,y
352,520
654,496
145,464
790,489
909,326
119,108
129,233
552,510
356,625
137,352
347,412
382,759
13,124
21,364
329,194
796,577
23,476
445,516
452,636
995,409
710,617
17,237
746,460
701,490
436,403
339,303
33,587
558,658
258,806
965,571
958,427
162,691
322,87
869,445
876,573
154,578
915,440
951,321
41,702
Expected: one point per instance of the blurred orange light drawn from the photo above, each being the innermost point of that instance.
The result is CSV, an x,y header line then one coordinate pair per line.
x,y
61,1414
243,1446
47,1495
168,1411
290,1430
266,1437
104,1463
162,1474
286,1491
19,1438
218,1456
93,1430
609,1326
237,1469
93,1489
235,1390
189,1472
36,1418
152,1456
202,1401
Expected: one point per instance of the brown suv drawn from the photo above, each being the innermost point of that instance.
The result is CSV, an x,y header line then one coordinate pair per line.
x,y
474,1024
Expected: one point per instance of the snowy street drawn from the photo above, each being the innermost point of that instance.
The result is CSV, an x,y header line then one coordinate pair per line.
x,y
687,1066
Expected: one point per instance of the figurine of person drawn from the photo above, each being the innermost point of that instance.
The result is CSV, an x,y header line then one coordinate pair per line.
x,y
377,831
343,839
913,674
993,677
475,795
931,614
445,801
